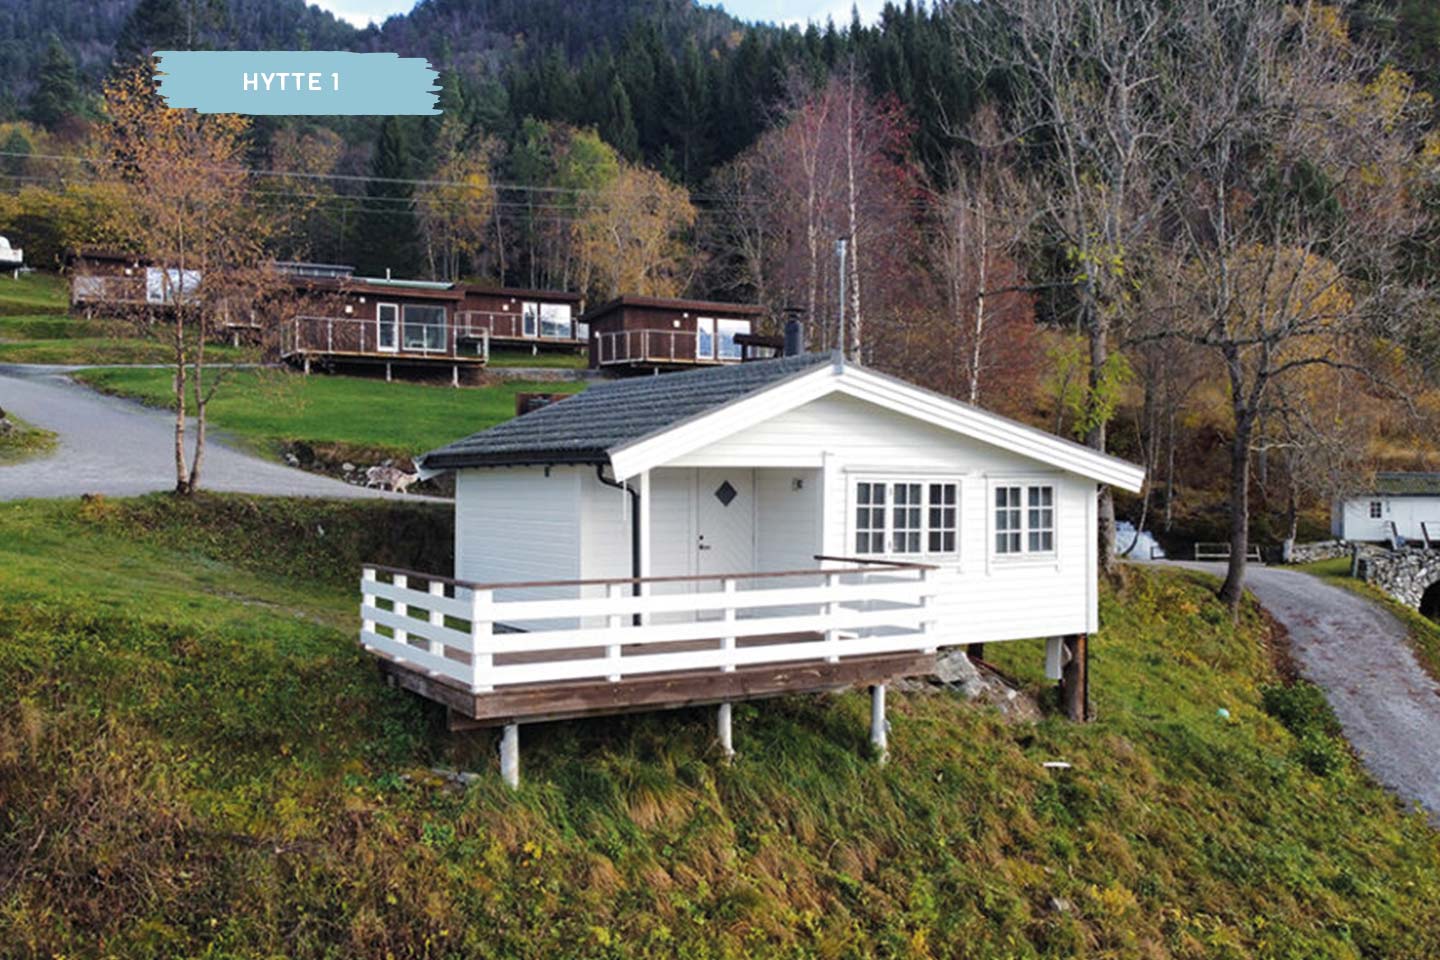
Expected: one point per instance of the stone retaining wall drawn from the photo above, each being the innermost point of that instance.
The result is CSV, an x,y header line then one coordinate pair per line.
x,y
1403,574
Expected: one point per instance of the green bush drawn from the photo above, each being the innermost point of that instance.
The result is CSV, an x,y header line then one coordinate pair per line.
x,y
1322,754
1301,708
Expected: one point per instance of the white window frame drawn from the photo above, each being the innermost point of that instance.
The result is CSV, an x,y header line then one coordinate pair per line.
x,y
891,480
705,327
1026,556
394,328
530,319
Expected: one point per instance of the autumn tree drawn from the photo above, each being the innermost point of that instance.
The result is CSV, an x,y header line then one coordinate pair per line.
x,y
184,178
1085,81
979,226
835,166
631,237
1301,165
455,206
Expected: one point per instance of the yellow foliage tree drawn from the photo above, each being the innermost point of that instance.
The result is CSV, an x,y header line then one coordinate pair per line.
x,y
630,238
184,176
455,209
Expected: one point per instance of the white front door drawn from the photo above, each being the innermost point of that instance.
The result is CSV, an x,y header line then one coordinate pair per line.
x,y
724,521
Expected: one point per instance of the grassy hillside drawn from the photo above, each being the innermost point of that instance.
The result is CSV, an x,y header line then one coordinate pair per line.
x,y
272,407
195,759
35,328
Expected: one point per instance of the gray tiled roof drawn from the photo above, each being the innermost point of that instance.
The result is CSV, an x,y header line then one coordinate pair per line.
x,y
1407,484
582,428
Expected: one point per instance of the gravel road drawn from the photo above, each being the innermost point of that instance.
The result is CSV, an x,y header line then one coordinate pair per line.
x,y
120,448
1357,652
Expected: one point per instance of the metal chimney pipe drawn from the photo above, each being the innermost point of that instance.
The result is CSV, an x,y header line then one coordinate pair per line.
x,y
794,338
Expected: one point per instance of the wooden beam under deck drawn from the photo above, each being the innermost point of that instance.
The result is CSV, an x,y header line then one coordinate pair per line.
x,y
534,703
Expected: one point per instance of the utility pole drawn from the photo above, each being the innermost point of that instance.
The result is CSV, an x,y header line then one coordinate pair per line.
x,y
840,333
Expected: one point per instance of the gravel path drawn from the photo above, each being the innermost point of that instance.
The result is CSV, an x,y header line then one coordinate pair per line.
x,y
120,448
1358,653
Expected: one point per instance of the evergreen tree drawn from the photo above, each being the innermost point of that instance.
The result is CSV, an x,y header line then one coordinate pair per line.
x,y
152,25
618,127
57,93
16,149
388,238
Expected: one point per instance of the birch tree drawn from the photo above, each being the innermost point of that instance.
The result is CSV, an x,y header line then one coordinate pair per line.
x,y
184,177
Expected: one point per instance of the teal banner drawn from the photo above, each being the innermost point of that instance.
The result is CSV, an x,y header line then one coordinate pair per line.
x,y
296,82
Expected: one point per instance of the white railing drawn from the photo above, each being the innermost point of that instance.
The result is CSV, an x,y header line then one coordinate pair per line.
x,y
486,636
359,335
661,346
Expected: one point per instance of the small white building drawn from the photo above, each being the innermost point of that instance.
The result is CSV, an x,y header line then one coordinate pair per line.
x,y
698,537
1402,504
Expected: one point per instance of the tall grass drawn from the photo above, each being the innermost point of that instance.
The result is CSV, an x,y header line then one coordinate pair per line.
x,y
196,760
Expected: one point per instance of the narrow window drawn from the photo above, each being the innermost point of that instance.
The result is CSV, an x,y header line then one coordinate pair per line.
x,y
529,318
1374,509
869,518
1041,520
943,517
908,513
1007,520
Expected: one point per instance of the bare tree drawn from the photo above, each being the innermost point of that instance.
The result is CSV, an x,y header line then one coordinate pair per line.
x,y
1088,90
1289,232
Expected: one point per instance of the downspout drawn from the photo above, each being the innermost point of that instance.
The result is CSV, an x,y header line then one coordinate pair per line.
x,y
634,530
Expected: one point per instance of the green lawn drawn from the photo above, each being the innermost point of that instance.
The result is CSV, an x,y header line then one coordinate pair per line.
x,y
546,358
22,441
272,406
196,759
33,293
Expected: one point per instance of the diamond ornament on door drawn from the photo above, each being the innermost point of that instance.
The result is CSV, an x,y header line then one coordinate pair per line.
x,y
725,493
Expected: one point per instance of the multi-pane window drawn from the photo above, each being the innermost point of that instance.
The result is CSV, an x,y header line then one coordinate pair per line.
x,y
908,513
1007,520
907,517
1374,509
944,518
1024,519
870,517
1041,519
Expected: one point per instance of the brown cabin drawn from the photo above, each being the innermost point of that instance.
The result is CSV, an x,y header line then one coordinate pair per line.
x,y
514,316
418,323
112,281
654,333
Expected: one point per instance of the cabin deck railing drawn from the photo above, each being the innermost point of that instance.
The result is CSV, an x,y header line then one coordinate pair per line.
x,y
358,336
484,637
503,325
653,346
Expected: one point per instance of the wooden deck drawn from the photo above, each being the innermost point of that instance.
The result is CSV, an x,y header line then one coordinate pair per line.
x,y
357,339
498,654
539,702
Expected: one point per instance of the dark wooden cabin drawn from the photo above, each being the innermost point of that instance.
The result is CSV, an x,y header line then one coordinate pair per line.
x,y
653,333
517,317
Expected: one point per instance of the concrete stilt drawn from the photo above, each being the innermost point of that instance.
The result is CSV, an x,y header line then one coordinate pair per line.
x,y
879,733
454,374
723,731
510,755
307,366
387,371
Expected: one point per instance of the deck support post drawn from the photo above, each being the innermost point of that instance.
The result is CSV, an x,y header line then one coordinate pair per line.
x,y
879,733
307,366
723,730
1074,682
510,755
389,376
454,374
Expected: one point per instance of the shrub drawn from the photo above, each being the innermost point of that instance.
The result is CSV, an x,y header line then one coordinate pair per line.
x,y
1301,708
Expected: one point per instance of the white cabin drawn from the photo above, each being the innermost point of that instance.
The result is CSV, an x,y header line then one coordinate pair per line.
x,y
802,511
1403,504
10,257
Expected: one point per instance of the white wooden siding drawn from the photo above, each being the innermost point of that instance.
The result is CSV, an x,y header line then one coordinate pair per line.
x,y
1406,512
983,599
